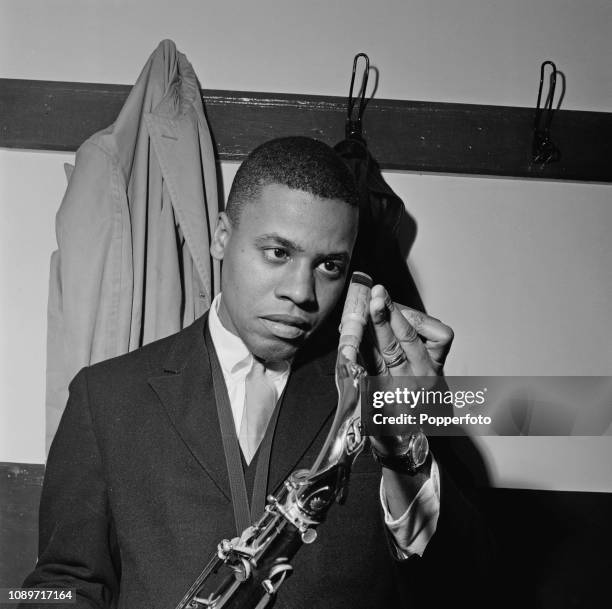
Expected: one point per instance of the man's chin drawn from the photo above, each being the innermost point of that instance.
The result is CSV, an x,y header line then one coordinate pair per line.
x,y
277,350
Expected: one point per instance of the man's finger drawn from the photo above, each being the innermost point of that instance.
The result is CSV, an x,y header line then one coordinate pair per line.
x,y
409,337
398,342
385,341
374,360
438,336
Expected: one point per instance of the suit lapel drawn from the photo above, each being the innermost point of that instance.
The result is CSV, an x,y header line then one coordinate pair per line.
x,y
186,393
308,404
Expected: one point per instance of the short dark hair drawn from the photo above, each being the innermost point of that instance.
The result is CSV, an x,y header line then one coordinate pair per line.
x,y
301,163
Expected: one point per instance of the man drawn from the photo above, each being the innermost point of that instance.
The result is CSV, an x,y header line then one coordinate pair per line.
x,y
137,493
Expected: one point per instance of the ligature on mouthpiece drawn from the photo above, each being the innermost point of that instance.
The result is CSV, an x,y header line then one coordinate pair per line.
x,y
355,315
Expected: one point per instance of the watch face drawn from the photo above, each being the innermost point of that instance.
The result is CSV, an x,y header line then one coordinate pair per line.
x,y
419,449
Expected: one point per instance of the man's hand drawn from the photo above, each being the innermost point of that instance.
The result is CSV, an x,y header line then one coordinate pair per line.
x,y
406,342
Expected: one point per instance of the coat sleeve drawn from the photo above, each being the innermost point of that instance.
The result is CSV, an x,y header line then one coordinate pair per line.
x,y
459,564
77,542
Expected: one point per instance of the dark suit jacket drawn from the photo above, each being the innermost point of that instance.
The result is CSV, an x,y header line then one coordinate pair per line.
x,y
136,495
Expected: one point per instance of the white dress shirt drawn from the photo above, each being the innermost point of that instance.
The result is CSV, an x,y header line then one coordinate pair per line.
x,y
413,529
236,362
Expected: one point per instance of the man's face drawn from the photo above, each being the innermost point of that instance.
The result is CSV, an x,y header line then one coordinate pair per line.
x,y
284,267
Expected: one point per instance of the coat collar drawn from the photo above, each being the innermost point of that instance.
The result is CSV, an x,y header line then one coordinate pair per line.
x,y
186,392
184,149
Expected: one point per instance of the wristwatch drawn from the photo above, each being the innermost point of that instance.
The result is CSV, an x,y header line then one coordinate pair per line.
x,y
410,460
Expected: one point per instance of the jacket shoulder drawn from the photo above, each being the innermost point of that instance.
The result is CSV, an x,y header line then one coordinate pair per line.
x,y
152,359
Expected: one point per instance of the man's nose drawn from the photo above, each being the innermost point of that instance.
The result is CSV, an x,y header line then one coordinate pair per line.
x,y
298,285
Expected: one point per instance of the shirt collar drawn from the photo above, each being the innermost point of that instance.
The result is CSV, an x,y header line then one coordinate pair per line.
x,y
233,354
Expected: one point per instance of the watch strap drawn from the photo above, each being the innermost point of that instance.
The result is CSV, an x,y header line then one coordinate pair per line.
x,y
403,462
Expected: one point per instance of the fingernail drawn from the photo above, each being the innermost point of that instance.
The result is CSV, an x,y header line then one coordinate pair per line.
x,y
378,291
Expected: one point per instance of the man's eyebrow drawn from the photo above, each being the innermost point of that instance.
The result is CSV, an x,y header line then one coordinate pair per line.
x,y
290,245
344,256
281,241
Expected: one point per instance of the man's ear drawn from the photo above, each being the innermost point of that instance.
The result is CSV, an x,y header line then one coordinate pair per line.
x,y
221,236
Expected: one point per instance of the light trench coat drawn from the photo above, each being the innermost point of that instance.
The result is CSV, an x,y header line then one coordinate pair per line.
x,y
134,228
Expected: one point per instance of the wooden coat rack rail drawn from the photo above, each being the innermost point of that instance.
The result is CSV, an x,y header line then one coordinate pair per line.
x,y
406,135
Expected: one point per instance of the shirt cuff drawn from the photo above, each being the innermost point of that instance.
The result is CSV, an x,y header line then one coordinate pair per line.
x,y
411,532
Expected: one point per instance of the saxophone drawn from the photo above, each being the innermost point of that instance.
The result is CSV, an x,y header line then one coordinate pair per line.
x,y
246,572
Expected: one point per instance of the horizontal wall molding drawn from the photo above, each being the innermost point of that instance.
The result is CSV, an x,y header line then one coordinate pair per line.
x,y
405,135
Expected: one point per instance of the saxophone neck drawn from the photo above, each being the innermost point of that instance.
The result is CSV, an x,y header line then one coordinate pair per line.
x,y
344,440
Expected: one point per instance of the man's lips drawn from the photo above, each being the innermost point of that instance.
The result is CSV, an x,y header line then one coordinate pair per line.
x,y
288,327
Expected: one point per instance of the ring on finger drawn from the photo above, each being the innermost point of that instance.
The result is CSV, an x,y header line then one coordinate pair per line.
x,y
393,355
381,367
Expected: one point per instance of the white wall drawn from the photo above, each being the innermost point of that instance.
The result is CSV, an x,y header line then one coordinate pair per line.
x,y
520,269
31,186
473,51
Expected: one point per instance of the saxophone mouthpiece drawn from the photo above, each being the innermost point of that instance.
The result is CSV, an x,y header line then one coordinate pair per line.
x,y
355,315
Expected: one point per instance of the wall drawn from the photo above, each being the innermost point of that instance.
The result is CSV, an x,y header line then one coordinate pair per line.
x,y
520,269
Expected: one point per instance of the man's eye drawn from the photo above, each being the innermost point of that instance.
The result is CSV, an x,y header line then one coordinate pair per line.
x,y
332,268
275,254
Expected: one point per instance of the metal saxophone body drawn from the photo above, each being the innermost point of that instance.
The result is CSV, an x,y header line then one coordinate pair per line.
x,y
247,571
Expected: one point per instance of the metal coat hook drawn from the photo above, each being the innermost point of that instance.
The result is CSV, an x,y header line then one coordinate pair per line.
x,y
353,125
544,150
